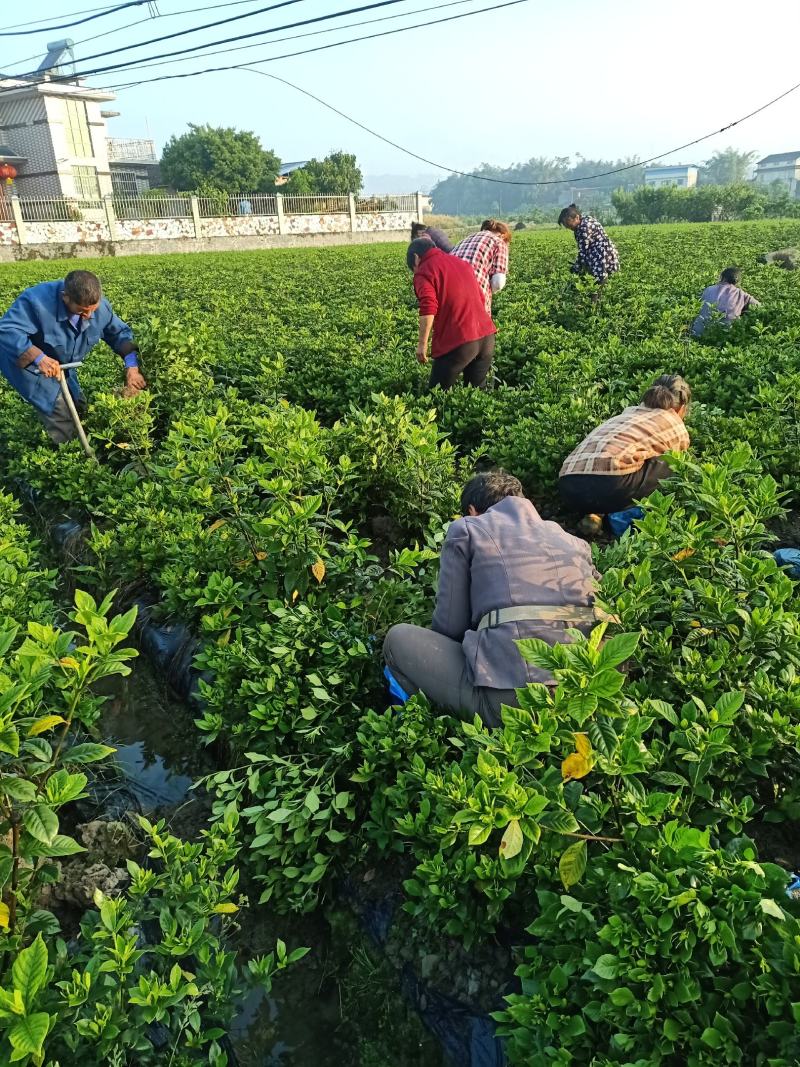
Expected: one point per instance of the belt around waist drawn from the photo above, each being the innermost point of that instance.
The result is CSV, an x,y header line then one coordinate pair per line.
x,y
574,613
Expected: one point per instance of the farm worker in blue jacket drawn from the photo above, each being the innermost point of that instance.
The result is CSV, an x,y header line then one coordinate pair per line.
x,y
61,322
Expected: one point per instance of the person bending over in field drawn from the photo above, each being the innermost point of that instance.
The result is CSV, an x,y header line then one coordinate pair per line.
x,y
60,322
487,253
505,574
451,309
433,233
622,460
597,253
726,298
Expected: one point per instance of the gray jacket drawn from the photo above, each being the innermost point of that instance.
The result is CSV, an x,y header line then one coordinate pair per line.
x,y
508,557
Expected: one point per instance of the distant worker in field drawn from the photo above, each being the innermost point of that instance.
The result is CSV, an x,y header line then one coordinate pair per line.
x,y
597,253
622,460
244,207
60,322
487,253
726,298
451,310
433,233
505,574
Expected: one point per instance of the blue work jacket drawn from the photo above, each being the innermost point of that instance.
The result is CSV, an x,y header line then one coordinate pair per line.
x,y
39,317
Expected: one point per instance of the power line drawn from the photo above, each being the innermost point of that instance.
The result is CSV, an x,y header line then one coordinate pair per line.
x,y
67,25
444,166
311,33
140,22
135,63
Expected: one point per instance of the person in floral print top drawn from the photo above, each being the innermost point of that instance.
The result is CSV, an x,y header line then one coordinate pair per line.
x,y
596,251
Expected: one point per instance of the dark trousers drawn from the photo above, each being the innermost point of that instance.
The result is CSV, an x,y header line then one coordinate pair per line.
x,y
599,494
423,661
472,359
59,425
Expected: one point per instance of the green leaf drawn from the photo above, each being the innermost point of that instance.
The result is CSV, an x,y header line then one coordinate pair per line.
x,y
769,907
669,778
603,735
279,815
606,966
572,864
621,997
30,970
511,844
88,753
27,1034
61,845
312,800
41,822
729,703
537,652
617,650
19,789
711,1037
478,833
581,706
560,820
672,1029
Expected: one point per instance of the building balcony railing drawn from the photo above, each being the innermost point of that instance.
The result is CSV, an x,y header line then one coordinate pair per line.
x,y
131,150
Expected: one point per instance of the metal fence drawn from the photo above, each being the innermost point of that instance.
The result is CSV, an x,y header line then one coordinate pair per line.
x,y
131,149
152,207
316,205
217,207
58,209
404,202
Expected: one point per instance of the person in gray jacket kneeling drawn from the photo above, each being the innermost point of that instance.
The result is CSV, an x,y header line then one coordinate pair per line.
x,y
505,574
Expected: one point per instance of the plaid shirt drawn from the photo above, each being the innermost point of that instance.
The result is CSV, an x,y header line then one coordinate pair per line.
x,y
487,254
623,445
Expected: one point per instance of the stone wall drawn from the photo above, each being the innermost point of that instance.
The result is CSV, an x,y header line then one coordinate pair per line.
x,y
152,229
379,221
40,233
241,226
8,233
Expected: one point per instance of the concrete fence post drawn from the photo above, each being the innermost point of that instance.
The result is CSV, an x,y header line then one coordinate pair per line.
x,y
352,207
111,217
16,212
195,206
281,214
419,207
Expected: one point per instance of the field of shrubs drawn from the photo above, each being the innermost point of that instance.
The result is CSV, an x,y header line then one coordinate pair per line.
x,y
615,857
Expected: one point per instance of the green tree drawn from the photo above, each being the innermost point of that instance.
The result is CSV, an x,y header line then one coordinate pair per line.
x,y
727,166
336,175
232,160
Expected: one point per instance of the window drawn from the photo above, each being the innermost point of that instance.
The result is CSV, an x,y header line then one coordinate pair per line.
x,y
124,182
87,186
79,141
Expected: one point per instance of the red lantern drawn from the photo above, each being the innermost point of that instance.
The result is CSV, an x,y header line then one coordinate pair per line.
x,y
8,172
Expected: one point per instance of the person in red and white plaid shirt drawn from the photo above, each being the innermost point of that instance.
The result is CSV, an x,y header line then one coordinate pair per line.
x,y
487,254
621,461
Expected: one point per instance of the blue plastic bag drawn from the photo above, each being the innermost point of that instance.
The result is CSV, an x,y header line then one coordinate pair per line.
x,y
789,558
620,521
395,689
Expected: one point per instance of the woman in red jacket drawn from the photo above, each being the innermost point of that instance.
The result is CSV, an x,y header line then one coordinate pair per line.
x,y
452,309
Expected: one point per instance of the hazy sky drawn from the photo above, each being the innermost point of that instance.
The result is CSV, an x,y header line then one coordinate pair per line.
x,y
604,78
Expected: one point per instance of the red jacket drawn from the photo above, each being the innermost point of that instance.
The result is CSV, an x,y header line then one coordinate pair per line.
x,y
447,288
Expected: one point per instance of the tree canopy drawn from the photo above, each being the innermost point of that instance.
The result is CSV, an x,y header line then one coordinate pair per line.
x,y
220,156
727,166
338,174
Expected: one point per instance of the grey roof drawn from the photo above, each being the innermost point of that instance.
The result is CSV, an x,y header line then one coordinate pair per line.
x,y
780,157
287,168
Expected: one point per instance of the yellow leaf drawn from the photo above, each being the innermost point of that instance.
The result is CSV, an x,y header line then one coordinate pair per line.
x,y
69,661
295,595
318,570
261,555
583,744
4,915
216,525
684,553
44,724
121,444
512,840
225,909
224,638
575,766
695,625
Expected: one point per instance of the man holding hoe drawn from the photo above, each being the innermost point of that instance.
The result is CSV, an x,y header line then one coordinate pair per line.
x,y
58,323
